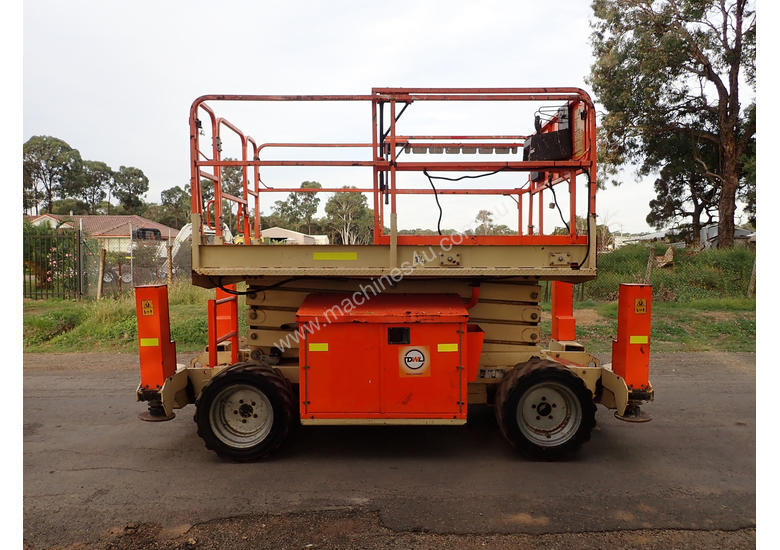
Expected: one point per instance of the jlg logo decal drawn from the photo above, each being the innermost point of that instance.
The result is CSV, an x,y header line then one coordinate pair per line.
x,y
414,361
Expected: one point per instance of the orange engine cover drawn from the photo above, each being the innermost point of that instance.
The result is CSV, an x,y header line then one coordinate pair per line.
x,y
393,356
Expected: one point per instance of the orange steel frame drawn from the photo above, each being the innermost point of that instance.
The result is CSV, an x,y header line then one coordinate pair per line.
x,y
385,163
223,323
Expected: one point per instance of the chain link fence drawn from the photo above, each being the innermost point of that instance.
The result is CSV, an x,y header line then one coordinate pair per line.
x,y
146,263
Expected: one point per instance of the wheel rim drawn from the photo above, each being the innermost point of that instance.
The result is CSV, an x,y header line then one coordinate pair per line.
x,y
241,416
548,414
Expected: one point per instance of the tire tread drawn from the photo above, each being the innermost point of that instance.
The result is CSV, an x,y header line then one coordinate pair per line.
x,y
281,386
523,372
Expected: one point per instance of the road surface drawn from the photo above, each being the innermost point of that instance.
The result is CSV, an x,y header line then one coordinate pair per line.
x,y
96,475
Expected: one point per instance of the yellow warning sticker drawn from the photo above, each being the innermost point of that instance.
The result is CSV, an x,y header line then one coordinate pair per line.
x,y
147,308
638,340
640,305
339,256
318,346
447,347
149,342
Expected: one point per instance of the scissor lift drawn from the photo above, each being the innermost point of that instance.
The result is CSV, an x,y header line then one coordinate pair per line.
x,y
336,331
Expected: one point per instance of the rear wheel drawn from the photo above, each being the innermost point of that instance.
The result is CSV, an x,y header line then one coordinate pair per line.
x,y
544,410
245,412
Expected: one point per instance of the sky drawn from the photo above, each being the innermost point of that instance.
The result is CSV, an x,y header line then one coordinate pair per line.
x,y
116,80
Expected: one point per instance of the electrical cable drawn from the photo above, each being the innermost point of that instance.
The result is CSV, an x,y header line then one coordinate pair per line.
x,y
436,196
587,249
555,199
253,290
467,176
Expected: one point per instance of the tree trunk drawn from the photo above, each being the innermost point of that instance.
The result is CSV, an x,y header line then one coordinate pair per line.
x,y
696,224
696,230
48,197
650,264
728,196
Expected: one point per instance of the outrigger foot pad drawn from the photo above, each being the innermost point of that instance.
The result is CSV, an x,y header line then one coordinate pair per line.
x,y
156,413
633,414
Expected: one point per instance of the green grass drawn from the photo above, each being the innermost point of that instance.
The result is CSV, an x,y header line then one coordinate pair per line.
x,y
711,273
727,324
110,324
698,304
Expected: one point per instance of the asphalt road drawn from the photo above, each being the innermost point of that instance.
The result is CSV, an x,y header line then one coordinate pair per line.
x,y
91,467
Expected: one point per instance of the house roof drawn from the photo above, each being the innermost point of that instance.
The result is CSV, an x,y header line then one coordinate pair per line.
x,y
282,232
111,226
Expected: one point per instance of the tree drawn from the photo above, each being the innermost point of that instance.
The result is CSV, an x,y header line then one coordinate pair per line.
x,y
668,68
130,184
487,227
485,220
69,206
299,208
175,207
29,189
350,217
747,192
604,237
98,178
49,164
232,184
309,202
684,191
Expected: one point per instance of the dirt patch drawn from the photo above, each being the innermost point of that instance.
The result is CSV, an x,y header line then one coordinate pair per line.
x,y
352,529
583,316
727,315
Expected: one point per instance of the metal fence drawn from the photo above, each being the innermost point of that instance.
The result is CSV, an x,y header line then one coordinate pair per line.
x,y
67,264
146,262
53,265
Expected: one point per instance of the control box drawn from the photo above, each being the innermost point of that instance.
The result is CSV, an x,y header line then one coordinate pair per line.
x,y
395,359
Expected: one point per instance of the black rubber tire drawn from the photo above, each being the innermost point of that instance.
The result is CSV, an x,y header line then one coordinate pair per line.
x,y
523,377
276,388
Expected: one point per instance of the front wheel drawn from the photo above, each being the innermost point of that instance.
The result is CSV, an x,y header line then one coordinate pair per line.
x,y
245,412
544,410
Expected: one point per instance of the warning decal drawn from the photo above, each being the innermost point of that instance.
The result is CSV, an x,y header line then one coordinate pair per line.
x,y
640,305
414,361
147,308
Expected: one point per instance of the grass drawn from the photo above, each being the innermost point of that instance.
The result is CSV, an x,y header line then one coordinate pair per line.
x,y
698,305
710,273
726,324
711,324
110,324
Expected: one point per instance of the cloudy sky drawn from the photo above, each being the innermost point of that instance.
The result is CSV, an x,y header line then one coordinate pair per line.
x,y
115,80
